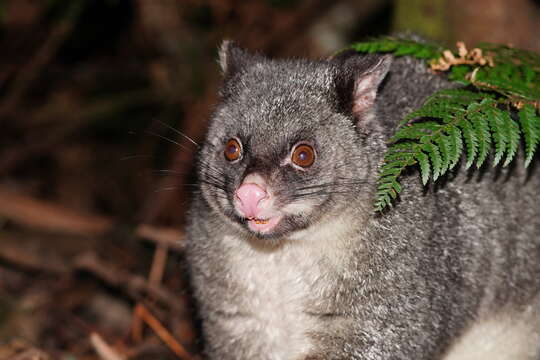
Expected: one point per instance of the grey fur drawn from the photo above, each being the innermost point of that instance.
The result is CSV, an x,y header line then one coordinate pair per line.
x,y
337,281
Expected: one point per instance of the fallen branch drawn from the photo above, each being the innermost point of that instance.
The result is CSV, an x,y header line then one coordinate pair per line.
x,y
162,332
169,237
44,215
134,285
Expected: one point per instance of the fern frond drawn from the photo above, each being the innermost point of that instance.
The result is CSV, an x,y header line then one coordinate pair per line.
x,y
395,161
444,148
469,123
423,161
471,141
456,146
481,129
435,157
415,131
476,119
496,123
530,126
511,129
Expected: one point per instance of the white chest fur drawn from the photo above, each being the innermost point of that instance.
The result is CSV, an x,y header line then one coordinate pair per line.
x,y
276,284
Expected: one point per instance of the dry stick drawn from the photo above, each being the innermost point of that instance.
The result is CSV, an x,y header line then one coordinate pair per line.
x,y
48,216
162,332
136,329
134,285
103,349
162,236
158,264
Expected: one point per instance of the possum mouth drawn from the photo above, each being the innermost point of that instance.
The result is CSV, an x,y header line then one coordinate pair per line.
x,y
259,221
263,226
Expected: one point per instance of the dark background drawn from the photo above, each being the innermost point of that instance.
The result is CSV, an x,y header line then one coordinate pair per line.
x,y
95,178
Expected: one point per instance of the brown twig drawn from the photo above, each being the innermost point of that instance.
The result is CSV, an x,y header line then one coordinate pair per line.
x,y
43,215
162,332
162,236
136,328
158,265
134,285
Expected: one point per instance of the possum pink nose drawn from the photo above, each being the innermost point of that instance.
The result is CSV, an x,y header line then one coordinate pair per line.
x,y
250,197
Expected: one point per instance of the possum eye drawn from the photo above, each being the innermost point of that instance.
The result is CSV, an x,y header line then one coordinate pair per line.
x,y
233,150
303,155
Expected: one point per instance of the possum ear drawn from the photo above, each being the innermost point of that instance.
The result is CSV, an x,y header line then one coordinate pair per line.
x,y
357,81
233,58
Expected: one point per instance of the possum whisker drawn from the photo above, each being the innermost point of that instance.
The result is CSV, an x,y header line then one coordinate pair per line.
x,y
178,132
168,139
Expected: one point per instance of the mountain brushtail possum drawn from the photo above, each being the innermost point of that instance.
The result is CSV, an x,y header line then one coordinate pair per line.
x,y
288,259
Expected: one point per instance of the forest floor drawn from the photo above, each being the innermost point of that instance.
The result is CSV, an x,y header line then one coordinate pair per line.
x,y
100,296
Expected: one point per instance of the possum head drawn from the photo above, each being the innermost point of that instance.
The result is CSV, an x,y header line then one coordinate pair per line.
x,y
290,140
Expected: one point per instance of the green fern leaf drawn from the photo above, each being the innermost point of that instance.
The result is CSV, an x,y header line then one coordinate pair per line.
x,y
528,74
481,129
383,200
530,126
471,142
511,129
415,131
396,186
444,148
423,161
434,108
459,74
435,156
496,124
506,82
394,170
456,146
399,157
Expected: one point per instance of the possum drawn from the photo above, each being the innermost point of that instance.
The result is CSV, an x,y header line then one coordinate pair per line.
x,y
286,256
